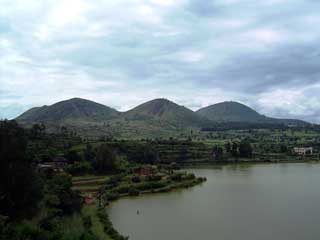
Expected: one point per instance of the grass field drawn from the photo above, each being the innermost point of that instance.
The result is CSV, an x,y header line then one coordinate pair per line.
x,y
88,183
97,226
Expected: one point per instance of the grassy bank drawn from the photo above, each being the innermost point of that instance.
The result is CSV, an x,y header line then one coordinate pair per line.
x,y
107,188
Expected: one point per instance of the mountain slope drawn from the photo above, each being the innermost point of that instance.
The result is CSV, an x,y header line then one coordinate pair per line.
x,y
231,112
237,112
72,110
165,111
156,118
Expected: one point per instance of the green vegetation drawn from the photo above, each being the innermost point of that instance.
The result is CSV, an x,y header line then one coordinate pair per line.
x,y
159,180
16,173
231,112
73,110
234,112
47,177
39,205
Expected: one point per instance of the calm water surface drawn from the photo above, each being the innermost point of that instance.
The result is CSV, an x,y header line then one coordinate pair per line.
x,y
253,202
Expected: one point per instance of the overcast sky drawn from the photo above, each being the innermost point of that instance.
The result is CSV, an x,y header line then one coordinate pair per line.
x,y
264,53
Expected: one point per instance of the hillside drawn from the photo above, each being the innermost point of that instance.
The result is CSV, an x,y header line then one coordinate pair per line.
x,y
231,112
75,110
156,118
165,111
237,112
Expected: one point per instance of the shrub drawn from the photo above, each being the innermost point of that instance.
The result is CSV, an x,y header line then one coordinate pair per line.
x,y
135,179
133,192
122,189
176,177
80,168
111,196
87,223
153,178
150,185
189,176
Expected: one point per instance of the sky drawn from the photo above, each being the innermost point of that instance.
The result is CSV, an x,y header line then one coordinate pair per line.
x,y
121,53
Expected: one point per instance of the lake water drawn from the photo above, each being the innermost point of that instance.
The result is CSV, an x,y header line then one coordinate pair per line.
x,y
252,202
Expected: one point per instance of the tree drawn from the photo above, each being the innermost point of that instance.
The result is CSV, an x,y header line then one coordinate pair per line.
x,y
73,156
59,197
234,150
245,149
143,154
20,187
283,148
217,153
106,159
37,130
228,147
89,154
183,153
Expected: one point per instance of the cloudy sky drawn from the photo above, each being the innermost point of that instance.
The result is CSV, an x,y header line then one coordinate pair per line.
x,y
195,52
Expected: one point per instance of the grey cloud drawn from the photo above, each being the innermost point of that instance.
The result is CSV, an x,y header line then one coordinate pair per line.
x,y
148,51
203,8
256,72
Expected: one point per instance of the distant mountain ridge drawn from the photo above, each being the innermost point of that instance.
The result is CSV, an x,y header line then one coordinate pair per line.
x,y
153,118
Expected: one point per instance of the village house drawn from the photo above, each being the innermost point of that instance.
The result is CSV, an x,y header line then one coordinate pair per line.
x,y
57,164
303,151
145,170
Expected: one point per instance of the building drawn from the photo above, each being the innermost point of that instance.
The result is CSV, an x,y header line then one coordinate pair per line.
x,y
89,199
57,164
303,151
145,171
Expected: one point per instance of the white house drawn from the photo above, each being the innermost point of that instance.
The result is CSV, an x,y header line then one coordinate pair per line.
x,y
303,150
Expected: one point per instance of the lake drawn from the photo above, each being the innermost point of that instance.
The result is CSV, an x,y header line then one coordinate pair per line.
x,y
238,202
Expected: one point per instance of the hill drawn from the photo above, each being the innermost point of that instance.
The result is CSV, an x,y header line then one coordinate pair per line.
x,y
156,118
165,111
231,112
237,112
75,110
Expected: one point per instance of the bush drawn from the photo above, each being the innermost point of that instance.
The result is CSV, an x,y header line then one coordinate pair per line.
x,y
150,185
189,176
133,192
59,195
135,179
114,180
153,178
176,177
87,223
80,168
107,159
88,236
122,189
111,196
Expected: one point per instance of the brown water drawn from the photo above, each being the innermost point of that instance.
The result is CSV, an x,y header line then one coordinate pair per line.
x,y
252,202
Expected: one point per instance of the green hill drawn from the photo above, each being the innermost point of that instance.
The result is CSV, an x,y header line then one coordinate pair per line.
x,y
75,110
231,112
237,112
165,111
156,118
